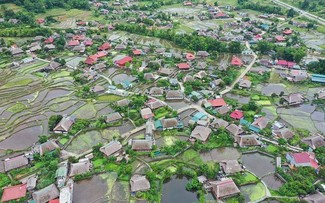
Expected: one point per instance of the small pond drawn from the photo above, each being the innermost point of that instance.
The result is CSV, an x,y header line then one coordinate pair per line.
x,y
117,79
269,89
272,182
240,99
174,191
253,192
258,163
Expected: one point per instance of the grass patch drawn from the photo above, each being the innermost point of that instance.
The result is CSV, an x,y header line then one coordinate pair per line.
x,y
87,111
63,141
244,179
263,103
17,83
4,180
99,162
255,192
191,156
18,107
109,98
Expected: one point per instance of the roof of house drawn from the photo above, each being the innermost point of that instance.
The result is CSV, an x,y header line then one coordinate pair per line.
x,y
235,61
201,133
149,76
73,43
188,78
202,53
245,83
174,94
124,60
97,89
155,104
156,91
165,71
113,117
64,125
146,113
15,162
50,145
190,56
123,102
224,188
261,122
318,197
230,166
139,183
169,122
234,129
183,66
14,192
284,133
294,98
218,123
111,148
46,194
141,145
314,141
104,46
80,168
248,140
305,158
237,114
224,109
217,102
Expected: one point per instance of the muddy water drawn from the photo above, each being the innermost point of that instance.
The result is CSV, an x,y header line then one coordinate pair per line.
x,y
122,77
217,155
22,139
90,190
272,182
240,99
259,164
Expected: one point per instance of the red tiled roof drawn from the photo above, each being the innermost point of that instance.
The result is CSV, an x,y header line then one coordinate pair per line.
x,y
137,52
291,64
105,46
237,114
220,15
235,61
123,61
73,43
54,201
79,37
190,56
88,43
101,54
282,62
91,59
81,23
302,157
14,192
183,66
287,32
217,102
49,40
40,20
280,38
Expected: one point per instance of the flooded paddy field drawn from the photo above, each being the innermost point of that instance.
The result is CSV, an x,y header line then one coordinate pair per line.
x,y
217,155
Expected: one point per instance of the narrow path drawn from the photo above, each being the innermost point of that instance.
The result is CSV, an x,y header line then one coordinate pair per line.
x,y
106,78
229,88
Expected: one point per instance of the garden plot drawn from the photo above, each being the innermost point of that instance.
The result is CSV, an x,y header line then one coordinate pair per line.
x,y
87,111
98,188
253,192
220,154
121,192
269,89
74,62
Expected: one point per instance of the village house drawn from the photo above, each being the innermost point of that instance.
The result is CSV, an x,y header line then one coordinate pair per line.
x,y
245,83
318,197
201,65
64,125
165,71
200,75
202,54
82,167
174,95
142,145
224,188
31,183
154,104
104,46
201,133
188,78
168,123
183,66
294,99
234,129
230,166
14,192
123,102
113,117
156,92
237,114
123,61
46,194
97,89
314,141
47,146
284,133
297,75
149,76
260,122
16,162
235,61
224,109
218,102
66,193
114,148
302,159
219,123
16,52
146,113
248,140
139,183
53,65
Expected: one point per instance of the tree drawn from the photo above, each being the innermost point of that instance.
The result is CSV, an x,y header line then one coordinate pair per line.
x,y
282,141
54,120
215,3
42,139
291,13
234,47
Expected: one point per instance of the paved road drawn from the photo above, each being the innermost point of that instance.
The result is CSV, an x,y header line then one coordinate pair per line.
x,y
308,15
229,88
106,78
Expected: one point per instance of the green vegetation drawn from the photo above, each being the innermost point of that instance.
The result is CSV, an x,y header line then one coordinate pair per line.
x,y
18,107
4,180
245,178
109,98
15,83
